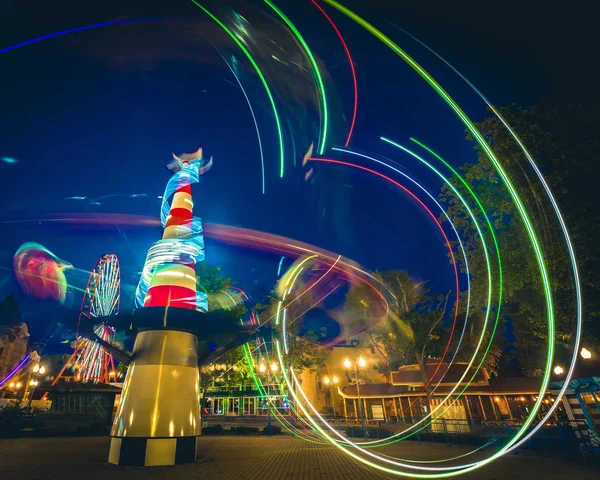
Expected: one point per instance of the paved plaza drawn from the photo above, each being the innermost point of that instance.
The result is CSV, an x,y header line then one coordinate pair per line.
x,y
233,457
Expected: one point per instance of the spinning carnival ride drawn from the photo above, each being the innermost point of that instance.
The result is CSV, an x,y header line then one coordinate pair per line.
x,y
169,280
90,361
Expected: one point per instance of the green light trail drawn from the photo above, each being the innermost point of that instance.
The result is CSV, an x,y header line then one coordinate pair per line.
x,y
520,207
262,79
316,72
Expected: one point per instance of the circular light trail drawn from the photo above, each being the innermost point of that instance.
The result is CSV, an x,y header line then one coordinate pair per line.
x,y
312,258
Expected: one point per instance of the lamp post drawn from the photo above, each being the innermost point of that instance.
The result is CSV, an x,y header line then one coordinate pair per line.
x,y
15,387
356,381
330,384
262,369
33,383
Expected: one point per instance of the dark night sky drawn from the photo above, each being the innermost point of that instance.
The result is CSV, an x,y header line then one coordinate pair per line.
x,y
97,113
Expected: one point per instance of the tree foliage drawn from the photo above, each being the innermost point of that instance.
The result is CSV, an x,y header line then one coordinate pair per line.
x,y
10,318
304,350
565,158
414,325
230,370
305,353
209,278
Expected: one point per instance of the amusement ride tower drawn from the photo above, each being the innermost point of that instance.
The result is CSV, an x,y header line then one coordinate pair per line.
x,y
158,419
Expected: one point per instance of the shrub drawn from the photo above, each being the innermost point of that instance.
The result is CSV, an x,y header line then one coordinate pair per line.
x,y
275,430
243,430
212,430
11,417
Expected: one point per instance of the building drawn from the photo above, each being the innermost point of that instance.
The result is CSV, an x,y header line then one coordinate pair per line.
x,y
320,387
404,399
78,407
13,347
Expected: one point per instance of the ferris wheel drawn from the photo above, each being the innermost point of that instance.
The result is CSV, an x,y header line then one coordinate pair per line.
x,y
102,299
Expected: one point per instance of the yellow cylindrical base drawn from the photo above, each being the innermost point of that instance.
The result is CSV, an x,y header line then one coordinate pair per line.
x,y
158,418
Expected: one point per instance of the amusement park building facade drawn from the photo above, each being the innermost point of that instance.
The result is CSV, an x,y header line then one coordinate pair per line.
x,y
401,398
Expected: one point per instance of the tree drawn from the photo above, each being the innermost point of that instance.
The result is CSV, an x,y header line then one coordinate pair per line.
x,y
230,371
10,318
209,278
463,348
304,350
416,320
305,353
564,148
414,325
225,305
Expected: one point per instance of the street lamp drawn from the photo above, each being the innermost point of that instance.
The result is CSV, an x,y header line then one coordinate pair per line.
x,y
37,370
356,381
262,368
14,386
585,353
328,382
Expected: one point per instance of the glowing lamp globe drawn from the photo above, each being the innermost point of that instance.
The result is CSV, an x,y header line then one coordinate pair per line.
x,y
585,353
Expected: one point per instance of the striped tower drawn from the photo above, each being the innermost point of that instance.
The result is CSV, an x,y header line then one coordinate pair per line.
x,y
158,419
174,284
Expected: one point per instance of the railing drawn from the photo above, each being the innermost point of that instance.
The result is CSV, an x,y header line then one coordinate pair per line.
x,y
558,438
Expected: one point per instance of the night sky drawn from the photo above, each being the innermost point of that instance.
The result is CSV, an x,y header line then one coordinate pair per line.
x,y
97,113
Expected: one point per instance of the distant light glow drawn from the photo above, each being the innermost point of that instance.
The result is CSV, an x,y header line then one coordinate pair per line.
x,y
585,353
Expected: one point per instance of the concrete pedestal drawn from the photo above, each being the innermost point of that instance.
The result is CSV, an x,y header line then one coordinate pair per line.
x,y
158,419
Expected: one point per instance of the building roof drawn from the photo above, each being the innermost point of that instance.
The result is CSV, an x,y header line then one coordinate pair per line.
x,y
495,386
375,390
410,375
80,387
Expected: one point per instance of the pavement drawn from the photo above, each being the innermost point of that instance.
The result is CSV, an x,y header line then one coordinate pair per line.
x,y
254,457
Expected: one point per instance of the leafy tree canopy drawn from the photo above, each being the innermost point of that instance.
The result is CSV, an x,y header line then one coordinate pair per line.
x,y
562,141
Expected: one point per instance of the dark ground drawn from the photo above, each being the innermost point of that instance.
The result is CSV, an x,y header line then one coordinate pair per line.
x,y
231,457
